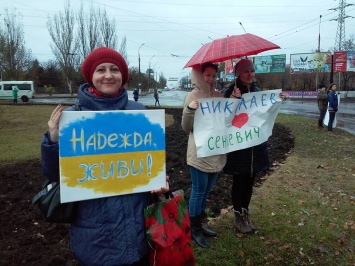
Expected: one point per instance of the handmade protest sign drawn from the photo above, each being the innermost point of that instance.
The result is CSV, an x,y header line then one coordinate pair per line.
x,y
223,125
107,153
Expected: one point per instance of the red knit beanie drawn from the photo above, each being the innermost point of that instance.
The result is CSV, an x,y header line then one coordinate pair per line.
x,y
104,55
243,65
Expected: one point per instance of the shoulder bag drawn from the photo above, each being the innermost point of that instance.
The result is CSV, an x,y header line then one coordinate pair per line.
x,y
48,201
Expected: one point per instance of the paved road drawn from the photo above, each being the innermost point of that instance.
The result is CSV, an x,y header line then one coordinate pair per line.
x,y
306,108
309,108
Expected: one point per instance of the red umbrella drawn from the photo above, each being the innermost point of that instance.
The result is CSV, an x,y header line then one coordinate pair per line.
x,y
231,47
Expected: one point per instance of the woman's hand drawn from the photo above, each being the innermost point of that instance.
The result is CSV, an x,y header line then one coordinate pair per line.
x,y
193,105
53,123
236,93
283,96
163,189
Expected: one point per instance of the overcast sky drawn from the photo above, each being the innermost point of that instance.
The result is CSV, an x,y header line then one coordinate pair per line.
x,y
179,28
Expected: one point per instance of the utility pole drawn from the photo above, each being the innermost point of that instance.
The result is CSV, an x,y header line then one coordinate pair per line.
x,y
149,72
340,37
156,78
139,68
154,73
320,20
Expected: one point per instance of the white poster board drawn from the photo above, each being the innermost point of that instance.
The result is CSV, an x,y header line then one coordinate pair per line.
x,y
223,125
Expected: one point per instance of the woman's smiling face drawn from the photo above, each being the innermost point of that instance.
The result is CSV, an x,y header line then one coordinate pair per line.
x,y
209,75
107,78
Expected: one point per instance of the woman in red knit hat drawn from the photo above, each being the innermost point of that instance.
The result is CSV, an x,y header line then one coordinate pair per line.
x,y
106,231
244,164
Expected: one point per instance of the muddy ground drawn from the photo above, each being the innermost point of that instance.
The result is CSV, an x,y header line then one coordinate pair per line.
x,y
26,239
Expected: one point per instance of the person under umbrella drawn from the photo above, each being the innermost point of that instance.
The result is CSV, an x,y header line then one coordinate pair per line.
x,y
245,164
204,171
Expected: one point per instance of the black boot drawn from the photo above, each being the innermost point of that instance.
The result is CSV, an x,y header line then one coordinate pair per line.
x,y
206,231
196,230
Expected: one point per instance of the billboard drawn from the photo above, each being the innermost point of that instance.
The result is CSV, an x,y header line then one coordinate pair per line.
x,y
228,74
339,61
270,63
350,61
310,63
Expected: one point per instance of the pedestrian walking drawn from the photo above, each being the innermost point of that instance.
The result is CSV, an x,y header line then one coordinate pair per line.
x,y
15,93
135,94
156,96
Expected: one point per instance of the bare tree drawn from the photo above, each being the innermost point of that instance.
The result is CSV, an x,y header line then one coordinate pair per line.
x,y
15,59
108,31
162,80
61,30
88,37
123,50
95,29
349,45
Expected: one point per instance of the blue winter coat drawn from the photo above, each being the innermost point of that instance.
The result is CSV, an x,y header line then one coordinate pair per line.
x,y
250,160
106,231
333,101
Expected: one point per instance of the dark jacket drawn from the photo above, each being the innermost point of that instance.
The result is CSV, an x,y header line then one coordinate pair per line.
x,y
322,99
333,101
250,160
107,231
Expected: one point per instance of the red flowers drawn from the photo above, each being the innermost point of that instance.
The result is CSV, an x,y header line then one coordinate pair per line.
x,y
169,233
170,210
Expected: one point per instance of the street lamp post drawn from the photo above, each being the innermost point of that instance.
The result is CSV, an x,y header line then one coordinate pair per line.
x,y
156,78
149,70
320,20
154,72
139,68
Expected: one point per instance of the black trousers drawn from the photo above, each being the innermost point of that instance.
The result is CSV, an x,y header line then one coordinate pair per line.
x,y
242,190
321,117
331,120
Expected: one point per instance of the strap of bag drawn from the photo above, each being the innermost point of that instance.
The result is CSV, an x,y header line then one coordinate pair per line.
x,y
48,185
76,107
39,195
167,195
